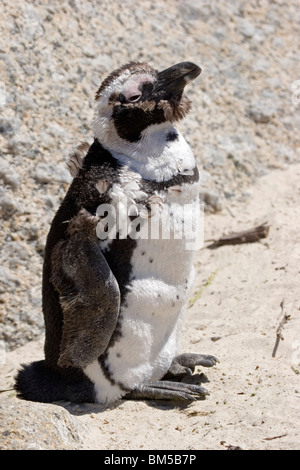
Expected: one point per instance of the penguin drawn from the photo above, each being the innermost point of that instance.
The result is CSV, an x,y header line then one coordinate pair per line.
x,y
118,265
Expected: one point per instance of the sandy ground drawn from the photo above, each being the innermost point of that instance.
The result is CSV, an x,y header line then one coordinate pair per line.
x,y
254,400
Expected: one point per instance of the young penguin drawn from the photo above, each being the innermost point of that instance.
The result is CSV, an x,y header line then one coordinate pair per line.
x,y
114,292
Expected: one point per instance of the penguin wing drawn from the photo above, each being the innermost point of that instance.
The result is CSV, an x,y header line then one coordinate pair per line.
x,y
88,292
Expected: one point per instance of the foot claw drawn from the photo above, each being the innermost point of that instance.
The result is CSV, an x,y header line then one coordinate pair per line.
x,y
166,390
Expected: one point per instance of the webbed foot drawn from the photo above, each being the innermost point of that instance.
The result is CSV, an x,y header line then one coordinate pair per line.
x,y
184,365
166,390
178,383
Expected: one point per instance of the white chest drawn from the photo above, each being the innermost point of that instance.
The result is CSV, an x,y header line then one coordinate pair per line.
x,y
153,157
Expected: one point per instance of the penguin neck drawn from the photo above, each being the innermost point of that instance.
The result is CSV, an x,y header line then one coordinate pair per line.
x,y
160,154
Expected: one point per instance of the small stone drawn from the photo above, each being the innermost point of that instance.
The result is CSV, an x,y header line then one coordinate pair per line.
x,y
246,29
42,173
9,175
211,199
8,207
61,174
47,173
50,201
6,127
261,113
88,51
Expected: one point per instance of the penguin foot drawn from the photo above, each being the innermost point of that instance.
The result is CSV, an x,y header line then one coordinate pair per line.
x,y
166,390
184,365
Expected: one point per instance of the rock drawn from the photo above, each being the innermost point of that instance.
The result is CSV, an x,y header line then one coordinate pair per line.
x,y
45,173
6,126
102,62
193,10
212,200
8,207
50,201
9,281
3,95
261,65
260,112
213,157
20,144
2,351
37,426
9,175
61,174
89,51
247,29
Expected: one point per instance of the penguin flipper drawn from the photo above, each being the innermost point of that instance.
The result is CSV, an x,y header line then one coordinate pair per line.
x,y
88,292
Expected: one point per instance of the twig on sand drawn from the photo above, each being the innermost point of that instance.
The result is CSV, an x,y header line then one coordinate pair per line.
x,y
275,437
279,335
246,236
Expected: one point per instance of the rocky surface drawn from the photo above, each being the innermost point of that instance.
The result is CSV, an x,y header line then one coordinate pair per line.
x,y
36,426
244,122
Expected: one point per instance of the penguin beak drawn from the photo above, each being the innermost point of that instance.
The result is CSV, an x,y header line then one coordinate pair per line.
x,y
171,81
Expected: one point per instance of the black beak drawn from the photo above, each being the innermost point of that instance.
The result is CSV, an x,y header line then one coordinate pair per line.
x,y
171,82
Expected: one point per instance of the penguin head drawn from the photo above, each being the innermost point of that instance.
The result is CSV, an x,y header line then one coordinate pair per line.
x,y
136,96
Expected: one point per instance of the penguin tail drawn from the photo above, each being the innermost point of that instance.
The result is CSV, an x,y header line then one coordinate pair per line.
x,y
38,382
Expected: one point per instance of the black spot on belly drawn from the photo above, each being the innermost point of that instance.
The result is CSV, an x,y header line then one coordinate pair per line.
x,y
150,260
171,136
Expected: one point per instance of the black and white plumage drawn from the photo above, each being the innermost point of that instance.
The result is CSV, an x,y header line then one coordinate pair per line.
x,y
113,307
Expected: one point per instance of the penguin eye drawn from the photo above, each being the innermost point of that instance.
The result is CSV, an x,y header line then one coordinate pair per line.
x,y
134,98
130,99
